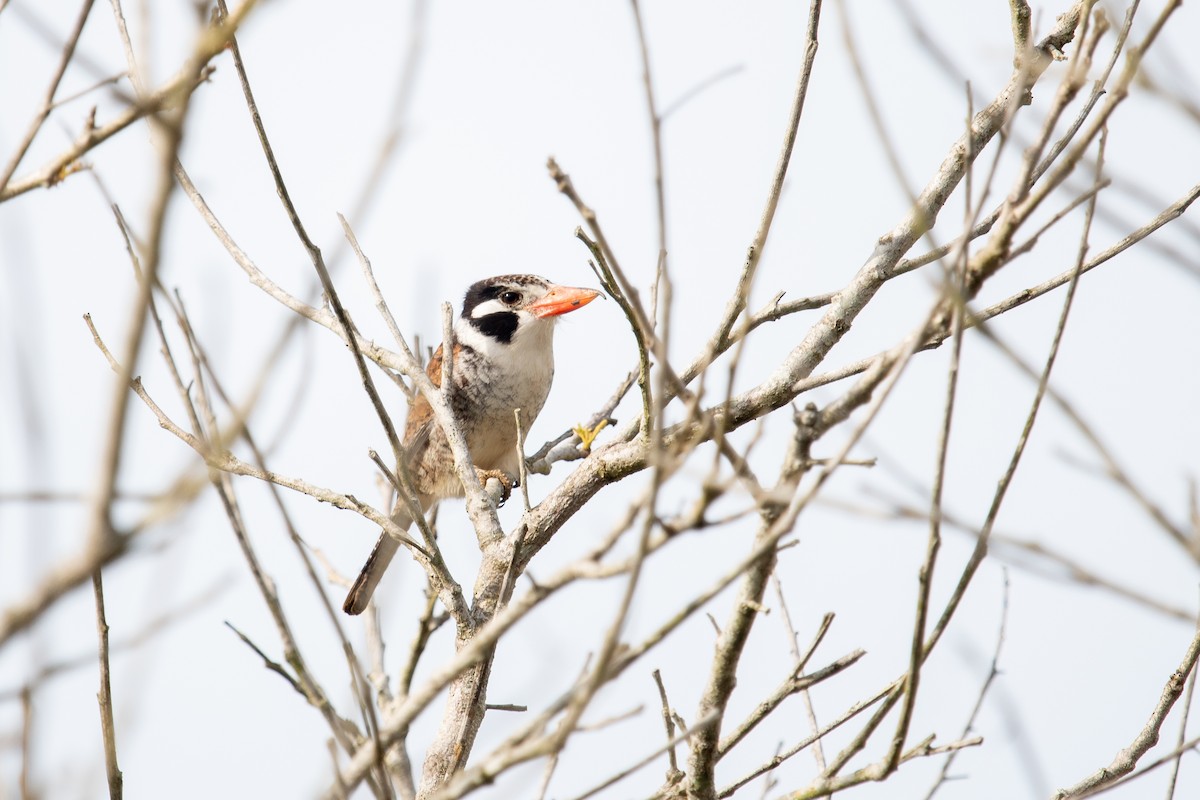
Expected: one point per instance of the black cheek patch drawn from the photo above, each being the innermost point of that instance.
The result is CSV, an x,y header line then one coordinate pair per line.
x,y
500,326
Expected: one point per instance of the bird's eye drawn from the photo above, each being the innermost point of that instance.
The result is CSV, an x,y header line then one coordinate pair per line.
x,y
510,298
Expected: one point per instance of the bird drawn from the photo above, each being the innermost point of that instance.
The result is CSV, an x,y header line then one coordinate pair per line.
x,y
503,360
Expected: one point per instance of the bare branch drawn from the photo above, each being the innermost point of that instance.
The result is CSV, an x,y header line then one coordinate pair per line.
x,y
108,728
993,673
736,304
39,118
673,773
1125,760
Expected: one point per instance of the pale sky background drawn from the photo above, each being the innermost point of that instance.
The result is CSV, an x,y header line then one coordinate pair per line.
x,y
500,87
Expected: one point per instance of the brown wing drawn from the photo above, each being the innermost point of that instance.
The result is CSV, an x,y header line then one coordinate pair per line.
x,y
434,368
420,414
416,441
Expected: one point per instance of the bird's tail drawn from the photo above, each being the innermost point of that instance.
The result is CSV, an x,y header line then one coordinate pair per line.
x,y
377,564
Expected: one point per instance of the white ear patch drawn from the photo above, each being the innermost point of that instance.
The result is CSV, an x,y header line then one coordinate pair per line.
x,y
490,307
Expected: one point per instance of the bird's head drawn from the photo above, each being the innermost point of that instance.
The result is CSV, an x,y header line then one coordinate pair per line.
x,y
503,310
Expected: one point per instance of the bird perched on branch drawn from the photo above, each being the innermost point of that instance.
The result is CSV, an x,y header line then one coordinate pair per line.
x,y
503,360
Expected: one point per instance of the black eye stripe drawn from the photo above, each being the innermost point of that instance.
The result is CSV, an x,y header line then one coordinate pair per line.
x,y
493,288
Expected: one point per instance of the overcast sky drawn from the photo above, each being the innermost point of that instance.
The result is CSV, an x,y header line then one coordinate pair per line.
x,y
496,90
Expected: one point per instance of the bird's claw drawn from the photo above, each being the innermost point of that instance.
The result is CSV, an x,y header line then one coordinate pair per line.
x,y
506,481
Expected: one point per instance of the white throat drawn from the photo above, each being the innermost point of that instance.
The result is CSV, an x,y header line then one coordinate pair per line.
x,y
532,342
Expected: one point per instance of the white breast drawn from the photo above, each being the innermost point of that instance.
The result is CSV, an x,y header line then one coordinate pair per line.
x,y
511,375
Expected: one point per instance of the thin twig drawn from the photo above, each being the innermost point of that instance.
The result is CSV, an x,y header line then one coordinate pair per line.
x,y
736,304
624,773
934,542
23,782
522,470
68,52
268,662
108,728
1182,738
1126,760
699,89
793,684
993,673
1169,758
655,138
802,660
180,86
103,542
980,550
377,295
314,252
673,773
808,741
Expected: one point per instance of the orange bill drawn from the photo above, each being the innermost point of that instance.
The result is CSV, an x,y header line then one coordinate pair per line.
x,y
562,299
